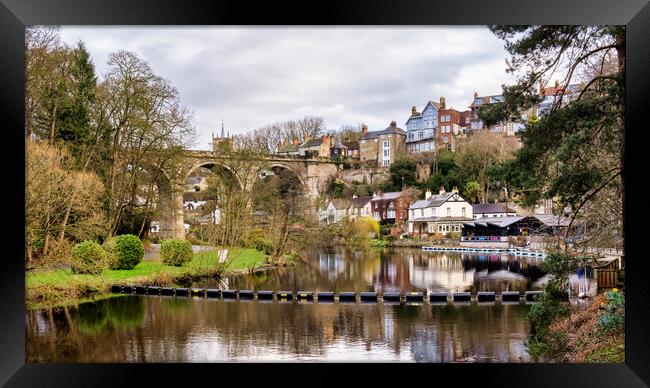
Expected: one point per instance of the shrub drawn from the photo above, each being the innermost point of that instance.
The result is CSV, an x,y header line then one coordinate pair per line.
x,y
124,251
248,241
264,245
292,258
88,257
176,252
455,236
612,318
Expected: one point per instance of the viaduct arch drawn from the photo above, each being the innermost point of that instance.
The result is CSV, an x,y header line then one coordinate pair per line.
x,y
313,174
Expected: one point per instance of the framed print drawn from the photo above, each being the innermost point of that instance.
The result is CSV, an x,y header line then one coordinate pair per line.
x,y
381,189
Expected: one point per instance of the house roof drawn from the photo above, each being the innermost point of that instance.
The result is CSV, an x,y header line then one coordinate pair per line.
x,y
388,131
420,204
481,208
482,100
434,200
351,144
435,105
289,148
312,142
388,195
359,202
339,204
552,220
193,196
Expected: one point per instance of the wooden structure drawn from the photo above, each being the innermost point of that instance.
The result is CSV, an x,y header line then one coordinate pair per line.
x,y
607,273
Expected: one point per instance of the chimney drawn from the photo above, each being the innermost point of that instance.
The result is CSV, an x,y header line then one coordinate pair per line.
x,y
454,190
475,95
557,83
442,103
427,194
442,190
413,110
364,129
393,124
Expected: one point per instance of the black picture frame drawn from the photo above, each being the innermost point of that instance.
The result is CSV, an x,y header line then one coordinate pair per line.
x,y
15,14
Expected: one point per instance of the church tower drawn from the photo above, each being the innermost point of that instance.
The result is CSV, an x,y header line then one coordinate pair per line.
x,y
221,144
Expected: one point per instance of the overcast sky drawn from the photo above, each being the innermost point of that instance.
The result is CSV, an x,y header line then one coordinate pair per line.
x,y
253,76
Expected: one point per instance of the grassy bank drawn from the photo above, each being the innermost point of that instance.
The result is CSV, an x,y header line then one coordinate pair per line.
x,y
56,287
582,338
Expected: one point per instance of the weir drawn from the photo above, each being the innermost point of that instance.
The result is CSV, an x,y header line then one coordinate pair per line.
x,y
434,297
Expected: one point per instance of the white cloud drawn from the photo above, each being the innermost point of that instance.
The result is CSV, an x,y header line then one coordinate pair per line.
x,y
251,77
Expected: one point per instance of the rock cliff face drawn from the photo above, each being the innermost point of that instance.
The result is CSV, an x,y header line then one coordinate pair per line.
x,y
365,175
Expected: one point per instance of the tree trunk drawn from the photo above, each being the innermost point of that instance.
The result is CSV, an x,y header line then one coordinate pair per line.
x,y
620,50
53,125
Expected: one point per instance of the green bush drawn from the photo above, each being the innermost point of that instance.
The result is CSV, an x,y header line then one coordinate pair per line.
x,y
176,251
453,236
264,245
248,241
612,318
88,257
124,251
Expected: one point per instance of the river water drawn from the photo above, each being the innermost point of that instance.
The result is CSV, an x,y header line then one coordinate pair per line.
x,y
165,329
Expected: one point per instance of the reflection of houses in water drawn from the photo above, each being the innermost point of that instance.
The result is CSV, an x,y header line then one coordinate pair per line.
x,y
331,264
441,272
392,275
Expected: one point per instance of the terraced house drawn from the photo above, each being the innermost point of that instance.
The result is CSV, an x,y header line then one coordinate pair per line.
x,y
390,208
382,147
421,128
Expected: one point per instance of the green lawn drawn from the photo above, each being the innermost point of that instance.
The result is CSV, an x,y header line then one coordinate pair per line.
x,y
242,258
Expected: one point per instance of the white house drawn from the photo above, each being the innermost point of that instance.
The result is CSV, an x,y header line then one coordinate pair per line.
x,y
360,207
334,211
441,213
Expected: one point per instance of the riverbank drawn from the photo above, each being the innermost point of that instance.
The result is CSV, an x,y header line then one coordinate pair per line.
x,y
587,335
60,287
412,243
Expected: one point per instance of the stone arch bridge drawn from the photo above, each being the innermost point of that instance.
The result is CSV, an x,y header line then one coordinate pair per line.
x,y
312,173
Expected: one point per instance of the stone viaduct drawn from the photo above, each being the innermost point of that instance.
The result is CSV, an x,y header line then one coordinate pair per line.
x,y
313,174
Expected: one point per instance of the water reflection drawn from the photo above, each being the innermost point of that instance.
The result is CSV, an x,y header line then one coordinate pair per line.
x,y
398,270
164,329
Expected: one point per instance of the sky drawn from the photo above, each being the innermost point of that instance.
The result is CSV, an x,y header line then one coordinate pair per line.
x,y
253,76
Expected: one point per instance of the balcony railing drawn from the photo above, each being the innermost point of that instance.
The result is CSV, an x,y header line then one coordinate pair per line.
x,y
484,239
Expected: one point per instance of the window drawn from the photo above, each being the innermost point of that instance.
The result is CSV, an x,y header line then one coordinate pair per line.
x,y
448,212
421,212
386,153
386,144
386,163
463,212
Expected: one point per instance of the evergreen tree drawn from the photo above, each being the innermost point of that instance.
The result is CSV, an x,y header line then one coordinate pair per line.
x,y
573,152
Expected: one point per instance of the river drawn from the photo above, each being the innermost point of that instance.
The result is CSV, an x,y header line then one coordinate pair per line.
x,y
134,328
